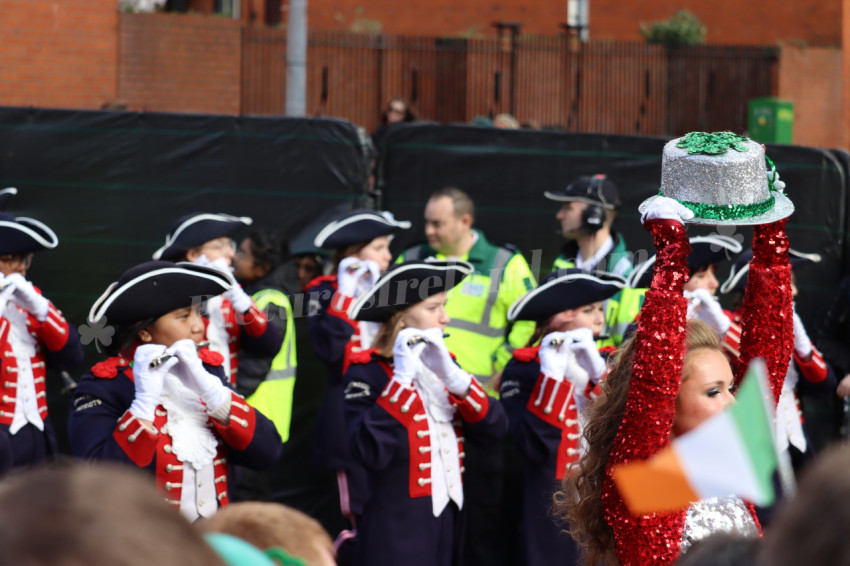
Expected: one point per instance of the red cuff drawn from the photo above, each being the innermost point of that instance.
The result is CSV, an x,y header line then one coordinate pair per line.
x,y
253,321
339,307
556,406
53,331
402,402
475,405
135,439
239,430
815,369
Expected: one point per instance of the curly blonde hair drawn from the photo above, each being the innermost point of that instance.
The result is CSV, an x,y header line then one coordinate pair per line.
x,y
579,503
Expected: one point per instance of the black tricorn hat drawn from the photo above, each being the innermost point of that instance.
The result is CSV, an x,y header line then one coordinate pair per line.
x,y
565,289
358,226
406,284
596,189
154,288
21,235
705,251
196,229
7,195
737,279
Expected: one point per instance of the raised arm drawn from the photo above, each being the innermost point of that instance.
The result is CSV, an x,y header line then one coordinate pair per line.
x,y
767,319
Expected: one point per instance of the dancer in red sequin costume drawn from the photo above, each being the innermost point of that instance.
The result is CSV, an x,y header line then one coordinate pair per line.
x,y
650,397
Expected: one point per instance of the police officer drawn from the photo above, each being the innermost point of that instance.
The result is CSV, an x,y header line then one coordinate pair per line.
x,y
478,308
589,205
588,208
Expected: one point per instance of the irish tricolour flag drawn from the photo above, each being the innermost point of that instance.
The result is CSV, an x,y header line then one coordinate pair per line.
x,y
732,453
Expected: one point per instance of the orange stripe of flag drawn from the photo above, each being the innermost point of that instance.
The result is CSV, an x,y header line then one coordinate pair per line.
x,y
656,485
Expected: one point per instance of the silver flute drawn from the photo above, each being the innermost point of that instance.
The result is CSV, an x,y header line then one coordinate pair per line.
x,y
414,340
159,360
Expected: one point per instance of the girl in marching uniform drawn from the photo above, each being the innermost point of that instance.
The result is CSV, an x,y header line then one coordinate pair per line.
x,y
161,403
673,375
410,409
361,243
34,337
542,390
232,320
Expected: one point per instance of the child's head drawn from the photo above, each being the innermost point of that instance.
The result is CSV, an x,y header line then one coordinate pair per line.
x,y
267,525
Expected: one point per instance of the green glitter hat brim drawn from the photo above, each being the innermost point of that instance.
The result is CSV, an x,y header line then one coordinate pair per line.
x,y
782,208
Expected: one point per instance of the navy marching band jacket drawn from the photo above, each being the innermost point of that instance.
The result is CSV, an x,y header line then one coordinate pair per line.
x,y
390,437
101,427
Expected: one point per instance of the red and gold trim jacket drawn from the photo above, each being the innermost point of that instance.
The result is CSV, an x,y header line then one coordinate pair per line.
x,y
537,406
58,345
250,330
101,427
390,431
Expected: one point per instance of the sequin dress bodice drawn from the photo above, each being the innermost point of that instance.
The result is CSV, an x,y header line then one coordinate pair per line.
x,y
714,515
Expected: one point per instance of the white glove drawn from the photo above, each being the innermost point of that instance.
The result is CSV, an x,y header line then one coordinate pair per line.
x,y
240,300
148,381
709,311
7,292
586,353
406,356
667,208
802,344
221,264
26,297
194,375
555,354
438,359
356,276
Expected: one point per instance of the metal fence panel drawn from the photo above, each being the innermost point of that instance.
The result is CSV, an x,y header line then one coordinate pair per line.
x,y
604,87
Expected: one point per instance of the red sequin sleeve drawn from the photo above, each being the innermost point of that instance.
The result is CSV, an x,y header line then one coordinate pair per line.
x,y
651,406
767,319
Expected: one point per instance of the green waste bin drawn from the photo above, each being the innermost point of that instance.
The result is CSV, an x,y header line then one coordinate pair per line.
x,y
771,120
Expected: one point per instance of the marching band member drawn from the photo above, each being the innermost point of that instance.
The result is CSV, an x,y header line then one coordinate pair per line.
x,y
34,336
162,404
232,321
410,410
361,243
545,386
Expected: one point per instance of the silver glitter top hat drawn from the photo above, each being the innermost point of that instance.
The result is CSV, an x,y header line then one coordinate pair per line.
x,y
722,178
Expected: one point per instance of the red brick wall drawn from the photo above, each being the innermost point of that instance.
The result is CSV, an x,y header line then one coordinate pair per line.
x,y
435,17
58,54
179,63
801,22
811,78
810,22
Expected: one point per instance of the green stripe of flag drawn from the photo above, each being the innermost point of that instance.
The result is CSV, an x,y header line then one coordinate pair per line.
x,y
752,419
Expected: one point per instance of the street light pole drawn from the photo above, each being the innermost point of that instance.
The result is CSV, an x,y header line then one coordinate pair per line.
x,y
296,59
